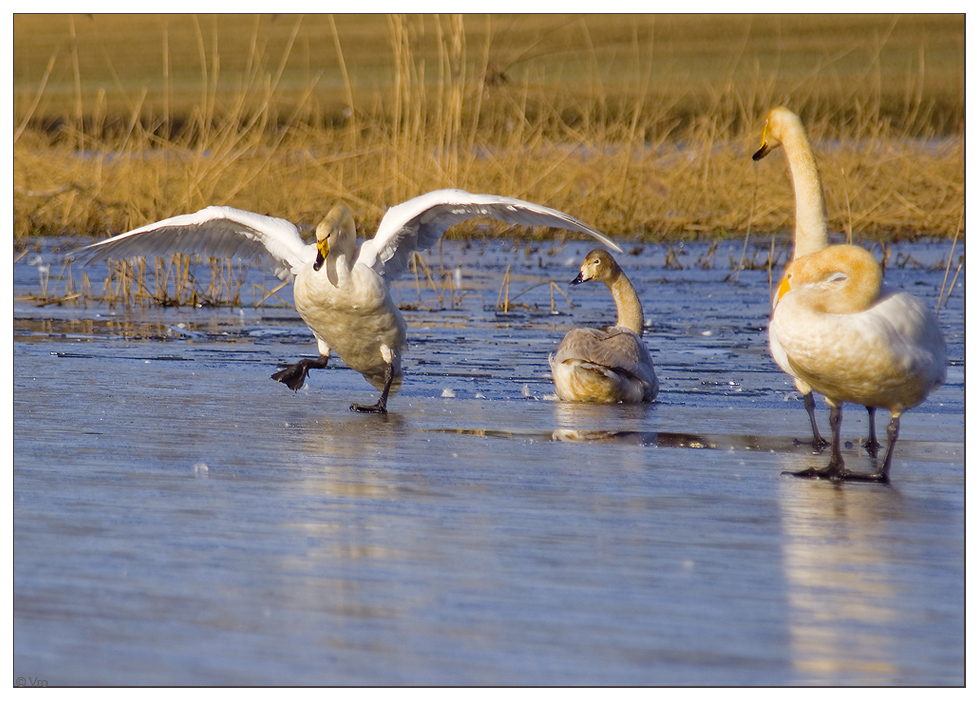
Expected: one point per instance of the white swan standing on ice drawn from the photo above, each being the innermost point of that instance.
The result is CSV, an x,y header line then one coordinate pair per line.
x,y
852,339
784,128
606,365
340,291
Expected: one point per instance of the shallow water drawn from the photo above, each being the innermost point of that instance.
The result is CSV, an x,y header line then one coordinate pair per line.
x,y
180,518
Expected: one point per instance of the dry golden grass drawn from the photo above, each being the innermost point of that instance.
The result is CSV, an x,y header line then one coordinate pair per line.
x,y
642,126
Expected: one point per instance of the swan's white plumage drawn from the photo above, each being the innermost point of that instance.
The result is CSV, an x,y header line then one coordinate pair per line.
x,y
222,232
890,356
340,291
419,223
852,339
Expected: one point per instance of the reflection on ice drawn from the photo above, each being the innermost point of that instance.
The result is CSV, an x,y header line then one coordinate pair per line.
x,y
839,588
847,579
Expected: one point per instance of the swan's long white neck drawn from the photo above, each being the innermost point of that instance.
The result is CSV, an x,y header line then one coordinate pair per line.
x,y
339,266
811,217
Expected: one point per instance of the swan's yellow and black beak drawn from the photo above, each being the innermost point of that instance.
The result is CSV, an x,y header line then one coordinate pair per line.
x,y
768,143
578,279
322,249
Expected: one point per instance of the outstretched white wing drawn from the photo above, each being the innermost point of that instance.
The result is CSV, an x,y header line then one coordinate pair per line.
x,y
418,223
222,232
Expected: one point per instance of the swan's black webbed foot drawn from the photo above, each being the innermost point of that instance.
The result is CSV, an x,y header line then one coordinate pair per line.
x,y
376,408
381,406
871,447
295,375
838,474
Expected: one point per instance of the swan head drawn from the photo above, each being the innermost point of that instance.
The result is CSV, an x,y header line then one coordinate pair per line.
x,y
598,265
778,122
839,279
335,233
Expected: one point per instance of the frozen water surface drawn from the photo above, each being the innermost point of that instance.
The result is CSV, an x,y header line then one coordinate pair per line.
x,y
182,519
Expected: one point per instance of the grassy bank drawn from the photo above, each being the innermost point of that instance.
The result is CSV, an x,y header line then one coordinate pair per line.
x,y
643,126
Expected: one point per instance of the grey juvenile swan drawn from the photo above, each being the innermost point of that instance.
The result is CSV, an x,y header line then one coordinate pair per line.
x,y
606,365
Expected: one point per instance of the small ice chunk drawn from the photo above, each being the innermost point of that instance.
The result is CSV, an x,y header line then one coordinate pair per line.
x,y
448,392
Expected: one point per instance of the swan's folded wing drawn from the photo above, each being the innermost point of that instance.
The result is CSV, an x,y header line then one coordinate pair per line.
x,y
615,348
419,223
214,231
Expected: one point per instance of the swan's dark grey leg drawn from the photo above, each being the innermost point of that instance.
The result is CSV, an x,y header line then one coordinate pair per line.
x,y
295,375
808,403
381,406
882,475
872,444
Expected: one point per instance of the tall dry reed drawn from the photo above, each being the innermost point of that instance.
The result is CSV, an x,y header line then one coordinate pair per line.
x,y
638,154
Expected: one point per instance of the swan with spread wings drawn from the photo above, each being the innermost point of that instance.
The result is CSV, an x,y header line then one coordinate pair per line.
x,y
340,290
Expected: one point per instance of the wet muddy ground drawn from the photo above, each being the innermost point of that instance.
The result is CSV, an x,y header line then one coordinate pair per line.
x,y
182,519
